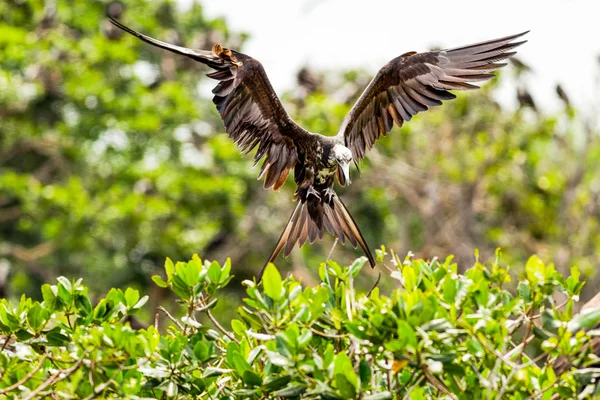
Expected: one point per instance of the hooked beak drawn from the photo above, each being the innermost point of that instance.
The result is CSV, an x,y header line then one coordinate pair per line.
x,y
346,171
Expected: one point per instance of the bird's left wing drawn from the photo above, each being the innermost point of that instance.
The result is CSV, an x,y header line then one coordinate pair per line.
x,y
413,82
251,111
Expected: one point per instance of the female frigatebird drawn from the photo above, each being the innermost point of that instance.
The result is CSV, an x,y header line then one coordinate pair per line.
x,y
254,116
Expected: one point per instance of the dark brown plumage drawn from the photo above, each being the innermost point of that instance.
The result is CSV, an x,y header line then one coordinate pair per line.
x,y
414,82
255,118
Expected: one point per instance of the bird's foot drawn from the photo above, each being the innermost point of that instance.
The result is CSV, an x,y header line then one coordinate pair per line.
x,y
311,191
329,194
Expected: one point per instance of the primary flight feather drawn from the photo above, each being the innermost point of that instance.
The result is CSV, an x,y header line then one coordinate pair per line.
x,y
254,117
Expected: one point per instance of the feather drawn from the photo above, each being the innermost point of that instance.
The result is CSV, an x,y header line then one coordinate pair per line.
x,y
413,82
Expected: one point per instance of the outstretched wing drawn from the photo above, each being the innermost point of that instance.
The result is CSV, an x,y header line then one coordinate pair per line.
x,y
413,82
250,109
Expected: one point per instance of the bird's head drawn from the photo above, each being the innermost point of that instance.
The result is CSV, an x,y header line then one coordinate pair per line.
x,y
342,156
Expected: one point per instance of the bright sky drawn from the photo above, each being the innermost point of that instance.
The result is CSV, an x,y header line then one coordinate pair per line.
x,y
564,42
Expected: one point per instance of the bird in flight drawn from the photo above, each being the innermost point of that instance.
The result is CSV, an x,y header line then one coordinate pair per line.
x,y
254,117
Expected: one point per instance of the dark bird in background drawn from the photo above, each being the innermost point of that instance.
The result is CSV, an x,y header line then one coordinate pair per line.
x,y
254,117
563,95
309,80
525,99
520,66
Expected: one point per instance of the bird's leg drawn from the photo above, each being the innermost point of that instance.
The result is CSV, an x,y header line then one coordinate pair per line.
x,y
311,191
329,194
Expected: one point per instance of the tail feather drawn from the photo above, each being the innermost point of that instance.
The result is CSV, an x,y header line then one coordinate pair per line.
x,y
355,231
302,227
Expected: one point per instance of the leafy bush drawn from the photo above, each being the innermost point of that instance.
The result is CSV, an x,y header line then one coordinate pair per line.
x,y
438,335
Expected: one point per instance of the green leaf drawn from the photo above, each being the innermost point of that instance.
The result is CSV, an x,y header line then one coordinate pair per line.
x,y
584,320
277,359
343,366
277,383
131,297
51,301
201,351
55,338
141,303
169,268
357,266
449,290
346,388
251,378
210,372
226,271
238,327
83,304
214,273
524,291
64,294
272,282
66,283
379,396
535,270
240,363
406,331
37,316
159,281
364,371
409,277
291,391
172,389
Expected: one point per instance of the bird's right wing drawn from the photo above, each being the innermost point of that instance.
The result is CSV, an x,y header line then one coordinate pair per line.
x,y
251,111
413,82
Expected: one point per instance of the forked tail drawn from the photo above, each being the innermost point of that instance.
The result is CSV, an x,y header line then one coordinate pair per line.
x,y
309,220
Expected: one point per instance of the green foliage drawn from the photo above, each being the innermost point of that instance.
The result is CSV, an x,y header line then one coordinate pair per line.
x,y
439,334
112,154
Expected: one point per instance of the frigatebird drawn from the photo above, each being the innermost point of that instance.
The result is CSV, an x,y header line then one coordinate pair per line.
x,y
254,117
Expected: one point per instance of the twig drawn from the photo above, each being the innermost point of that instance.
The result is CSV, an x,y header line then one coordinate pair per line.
x,y
505,384
496,352
409,380
219,327
102,387
26,377
519,346
492,377
172,318
327,335
540,393
61,375
332,248
156,321
438,384
561,305
375,285
5,343
407,395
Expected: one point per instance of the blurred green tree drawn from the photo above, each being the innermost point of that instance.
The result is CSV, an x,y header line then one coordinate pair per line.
x,y
112,156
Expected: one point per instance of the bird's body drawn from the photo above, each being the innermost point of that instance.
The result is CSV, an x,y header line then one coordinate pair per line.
x,y
255,118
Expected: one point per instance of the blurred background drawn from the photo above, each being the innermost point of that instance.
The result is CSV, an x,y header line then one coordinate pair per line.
x,y
113,157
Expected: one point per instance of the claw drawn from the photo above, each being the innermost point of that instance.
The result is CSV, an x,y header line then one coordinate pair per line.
x,y
329,194
312,191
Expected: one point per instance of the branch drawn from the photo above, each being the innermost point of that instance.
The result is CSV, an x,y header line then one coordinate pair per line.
x,y
59,376
172,318
326,335
438,384
26,377
102,387
219,327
